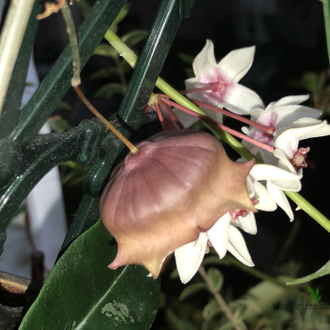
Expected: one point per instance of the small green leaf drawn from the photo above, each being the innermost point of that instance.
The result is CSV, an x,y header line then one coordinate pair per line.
x,y
108,90
216,278
104,73
313,300
105,50
81,292
188,59
134,37
177,323
319,298
191,289
213,260
310,289
211,309
325,270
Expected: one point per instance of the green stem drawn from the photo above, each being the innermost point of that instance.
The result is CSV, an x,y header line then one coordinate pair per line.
x,y
131,58
326,13
309,209
71,30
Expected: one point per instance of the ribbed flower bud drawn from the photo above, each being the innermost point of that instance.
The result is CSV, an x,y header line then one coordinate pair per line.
x,y
178,185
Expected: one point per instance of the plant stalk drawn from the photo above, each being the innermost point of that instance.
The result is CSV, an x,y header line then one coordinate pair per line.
x,y
10,42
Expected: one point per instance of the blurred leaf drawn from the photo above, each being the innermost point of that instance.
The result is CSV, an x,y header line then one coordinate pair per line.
x,y
213,260
216,278
177,323
174,275
58,124
81,292
317,292
122,14
319,298
106,50
324,270
211,309
191,289
188,59
108,90
104,73
134,37
64,105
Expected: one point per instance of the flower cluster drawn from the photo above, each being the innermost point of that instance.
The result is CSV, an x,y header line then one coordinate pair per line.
x,y
180,193
281,125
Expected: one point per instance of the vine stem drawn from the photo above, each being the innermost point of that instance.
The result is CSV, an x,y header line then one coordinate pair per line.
x,y
133,148
217,296
326,14
71,30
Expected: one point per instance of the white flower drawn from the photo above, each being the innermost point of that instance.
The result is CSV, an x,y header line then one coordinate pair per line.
x,y
224,235
223,78
280,116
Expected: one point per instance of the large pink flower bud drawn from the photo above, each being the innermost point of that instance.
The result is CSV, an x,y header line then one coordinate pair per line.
x,y
178,185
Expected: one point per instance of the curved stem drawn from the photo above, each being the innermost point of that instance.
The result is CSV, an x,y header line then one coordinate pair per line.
x,y
304,205
133,148
71,30
217,296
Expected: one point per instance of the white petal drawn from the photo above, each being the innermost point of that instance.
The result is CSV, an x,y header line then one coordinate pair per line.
x,y
241,100
189,257
290,100
303,128
266,202
269,172
280,199
248,223
185,119
237,63
321,128
204,64
287,115
256,113
237,247
218,235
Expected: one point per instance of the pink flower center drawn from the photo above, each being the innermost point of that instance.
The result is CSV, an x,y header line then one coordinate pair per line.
x,y
299,158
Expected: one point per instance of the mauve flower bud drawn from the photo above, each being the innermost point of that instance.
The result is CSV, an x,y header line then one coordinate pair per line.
x,y
178,185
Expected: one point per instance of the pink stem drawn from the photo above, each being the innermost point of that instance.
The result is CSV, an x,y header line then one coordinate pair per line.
x,y
171,114
160,116
200,89
267,129
223,127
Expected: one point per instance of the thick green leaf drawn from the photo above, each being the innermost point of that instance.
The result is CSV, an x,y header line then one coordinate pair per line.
x,y
82,293
324,270
216,278
191,289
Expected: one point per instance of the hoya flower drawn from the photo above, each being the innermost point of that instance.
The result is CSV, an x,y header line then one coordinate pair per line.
x,y
279,116
224,235
217,83
175,188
